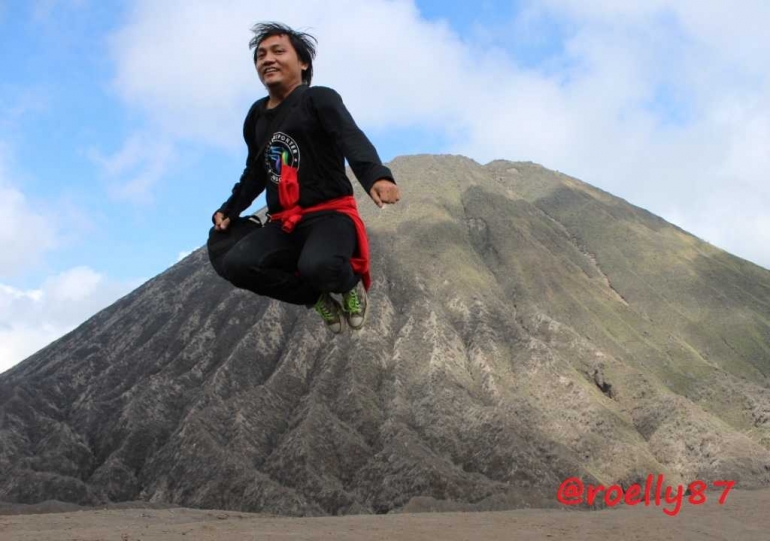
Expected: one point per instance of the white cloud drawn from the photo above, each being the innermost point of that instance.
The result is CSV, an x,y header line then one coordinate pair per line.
x,y
19,341
135,169
660,102
706,171
27,233
188,64
31,319
182,255
8,294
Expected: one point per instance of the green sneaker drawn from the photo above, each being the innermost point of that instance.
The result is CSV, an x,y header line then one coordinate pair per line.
x,y
331,312
354,305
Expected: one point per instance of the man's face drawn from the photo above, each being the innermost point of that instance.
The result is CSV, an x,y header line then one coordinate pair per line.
x,y
278,63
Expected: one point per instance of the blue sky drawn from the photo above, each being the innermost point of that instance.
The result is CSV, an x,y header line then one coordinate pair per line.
x,y
120,120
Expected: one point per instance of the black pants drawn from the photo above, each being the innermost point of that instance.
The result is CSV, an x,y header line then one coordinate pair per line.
x,y
291,267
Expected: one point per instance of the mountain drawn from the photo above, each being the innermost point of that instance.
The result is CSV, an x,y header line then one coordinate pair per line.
x,y
525,327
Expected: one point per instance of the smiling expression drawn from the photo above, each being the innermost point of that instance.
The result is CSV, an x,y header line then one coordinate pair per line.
x,y
278,64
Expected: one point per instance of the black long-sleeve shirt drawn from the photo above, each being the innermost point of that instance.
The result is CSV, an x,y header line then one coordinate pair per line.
x,y
314,136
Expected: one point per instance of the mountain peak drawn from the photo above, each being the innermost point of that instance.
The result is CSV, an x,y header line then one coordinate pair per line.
x,y
525,327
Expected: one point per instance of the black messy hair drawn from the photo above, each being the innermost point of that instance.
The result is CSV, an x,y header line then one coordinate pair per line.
x,y
303,43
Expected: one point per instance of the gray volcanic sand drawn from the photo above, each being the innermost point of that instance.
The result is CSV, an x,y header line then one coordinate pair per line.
x,y
744,516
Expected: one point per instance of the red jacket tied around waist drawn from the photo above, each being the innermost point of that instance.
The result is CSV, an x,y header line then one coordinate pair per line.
x,y
288,193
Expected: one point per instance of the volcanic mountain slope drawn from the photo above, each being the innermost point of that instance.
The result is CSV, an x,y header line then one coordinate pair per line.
x,y
525,327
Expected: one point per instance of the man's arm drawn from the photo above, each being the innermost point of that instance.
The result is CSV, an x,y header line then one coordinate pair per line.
x,y
253,179
244,192
359,151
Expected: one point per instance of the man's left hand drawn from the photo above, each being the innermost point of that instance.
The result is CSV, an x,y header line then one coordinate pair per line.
x,y
384,191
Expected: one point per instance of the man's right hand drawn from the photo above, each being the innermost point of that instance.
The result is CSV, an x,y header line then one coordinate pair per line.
x,y
220,222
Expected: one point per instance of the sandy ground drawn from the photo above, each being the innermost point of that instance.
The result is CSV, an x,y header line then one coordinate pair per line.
x,y
745,515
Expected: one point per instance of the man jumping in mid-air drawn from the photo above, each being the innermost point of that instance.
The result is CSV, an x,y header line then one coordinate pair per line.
x,y
314,242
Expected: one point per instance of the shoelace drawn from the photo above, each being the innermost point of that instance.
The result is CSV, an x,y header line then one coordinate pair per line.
x,y
352,302
322,309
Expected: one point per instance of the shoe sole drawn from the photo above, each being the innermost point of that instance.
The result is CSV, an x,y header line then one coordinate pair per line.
x,y
343,320
366,315
342,326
